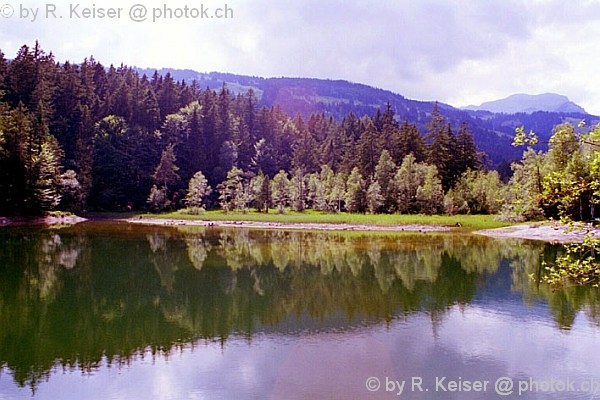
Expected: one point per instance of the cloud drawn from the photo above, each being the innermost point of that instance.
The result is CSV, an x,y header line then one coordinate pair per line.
x,y
459,52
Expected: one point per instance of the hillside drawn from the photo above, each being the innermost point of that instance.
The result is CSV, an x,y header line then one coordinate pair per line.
x,y
525,103
493,131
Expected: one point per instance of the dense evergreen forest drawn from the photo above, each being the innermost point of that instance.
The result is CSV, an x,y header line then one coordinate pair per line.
x,y
86,137
89,138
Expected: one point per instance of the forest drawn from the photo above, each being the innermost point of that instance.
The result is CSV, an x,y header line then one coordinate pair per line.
x,y
85,137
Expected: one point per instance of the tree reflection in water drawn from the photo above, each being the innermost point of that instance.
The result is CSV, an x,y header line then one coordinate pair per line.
x,y
72,297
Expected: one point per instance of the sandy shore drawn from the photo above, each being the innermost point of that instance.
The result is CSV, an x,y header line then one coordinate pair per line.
x,y
544,231
548,232
291,225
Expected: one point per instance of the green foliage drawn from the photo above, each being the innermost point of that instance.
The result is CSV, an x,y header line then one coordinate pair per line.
x,y
158,200
430,194
280,187
120,133
298,190
523,193
71,192
369,149
30,163
522,138
384,175
476,192
166,170
260,188
579,264
375,199
469,222
198,189
193,211
417,188
564,184
408,140
355,192
234,193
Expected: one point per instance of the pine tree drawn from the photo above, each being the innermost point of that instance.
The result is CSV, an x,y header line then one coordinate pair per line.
x,y
369,149
168,98
442,154
466,155
389,127
408,140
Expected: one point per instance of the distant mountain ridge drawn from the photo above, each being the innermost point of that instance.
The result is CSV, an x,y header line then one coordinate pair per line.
x,y
526,103
493,131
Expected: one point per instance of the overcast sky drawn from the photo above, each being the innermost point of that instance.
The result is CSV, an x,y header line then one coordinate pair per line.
x,y
459,52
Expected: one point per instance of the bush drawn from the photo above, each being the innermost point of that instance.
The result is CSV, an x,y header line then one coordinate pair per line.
x,y
193,211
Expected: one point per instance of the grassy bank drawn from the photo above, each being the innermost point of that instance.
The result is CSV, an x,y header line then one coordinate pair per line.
x,y
468,222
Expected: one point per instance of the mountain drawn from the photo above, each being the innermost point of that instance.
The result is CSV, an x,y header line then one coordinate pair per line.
x,y
493,131
525,103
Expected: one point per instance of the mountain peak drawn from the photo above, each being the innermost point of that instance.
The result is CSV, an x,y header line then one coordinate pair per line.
x,y
527,103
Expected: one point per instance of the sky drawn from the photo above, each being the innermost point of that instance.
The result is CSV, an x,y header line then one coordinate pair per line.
x,y
459,52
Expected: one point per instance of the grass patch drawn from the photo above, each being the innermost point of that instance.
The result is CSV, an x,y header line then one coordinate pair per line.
x,y
60,214
468,222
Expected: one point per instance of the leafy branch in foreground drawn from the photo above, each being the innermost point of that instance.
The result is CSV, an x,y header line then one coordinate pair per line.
x,y
579,263
569,188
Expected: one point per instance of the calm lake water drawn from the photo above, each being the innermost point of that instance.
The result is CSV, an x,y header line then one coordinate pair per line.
x,y
115,311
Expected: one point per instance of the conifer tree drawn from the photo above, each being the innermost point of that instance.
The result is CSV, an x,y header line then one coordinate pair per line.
x,y
466,154
369,148
442,154
408,140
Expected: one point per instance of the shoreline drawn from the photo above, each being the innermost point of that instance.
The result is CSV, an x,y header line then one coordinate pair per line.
x,y
548,232
47,220
292,225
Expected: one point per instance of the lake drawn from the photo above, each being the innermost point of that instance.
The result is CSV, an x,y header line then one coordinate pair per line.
x,y
108,310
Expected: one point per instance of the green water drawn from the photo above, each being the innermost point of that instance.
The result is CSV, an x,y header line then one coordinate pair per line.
x,y
111,310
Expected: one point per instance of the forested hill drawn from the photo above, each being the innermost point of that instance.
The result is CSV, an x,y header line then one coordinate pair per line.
x,y
493,132
79,137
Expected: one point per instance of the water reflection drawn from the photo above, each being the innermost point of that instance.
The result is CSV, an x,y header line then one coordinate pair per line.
x,y
73,297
